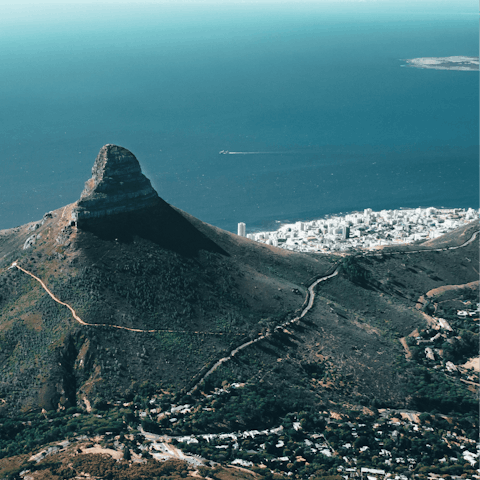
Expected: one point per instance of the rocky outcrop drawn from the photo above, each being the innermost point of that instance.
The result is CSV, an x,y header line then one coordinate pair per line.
x,y
30,241
117,186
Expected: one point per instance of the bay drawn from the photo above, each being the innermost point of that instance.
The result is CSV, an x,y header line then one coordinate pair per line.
x,y
318,89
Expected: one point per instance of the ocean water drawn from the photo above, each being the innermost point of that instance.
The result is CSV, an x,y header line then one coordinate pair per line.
x,y
318,89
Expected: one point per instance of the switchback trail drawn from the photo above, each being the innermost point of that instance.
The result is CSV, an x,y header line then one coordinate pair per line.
x,y
79,320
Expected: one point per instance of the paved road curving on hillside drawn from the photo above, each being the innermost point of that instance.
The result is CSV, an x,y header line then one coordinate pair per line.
x,y
470,240
443,249
311,299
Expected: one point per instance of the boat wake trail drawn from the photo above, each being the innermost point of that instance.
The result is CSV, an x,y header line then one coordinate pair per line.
x,y
252,153
226,152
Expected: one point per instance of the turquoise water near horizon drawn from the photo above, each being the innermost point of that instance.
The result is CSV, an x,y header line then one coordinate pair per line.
x,y
319,90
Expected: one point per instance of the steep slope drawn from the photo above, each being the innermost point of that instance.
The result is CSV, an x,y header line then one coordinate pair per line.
x,y
121,256
117,186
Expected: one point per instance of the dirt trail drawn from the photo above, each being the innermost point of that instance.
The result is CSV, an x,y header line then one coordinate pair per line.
x,y
408,353
75,316
79,320
432,321
473,363
473,386
408,252
439,290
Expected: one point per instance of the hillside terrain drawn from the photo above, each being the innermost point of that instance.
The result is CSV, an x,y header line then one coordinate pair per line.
x,y
149,320
155,268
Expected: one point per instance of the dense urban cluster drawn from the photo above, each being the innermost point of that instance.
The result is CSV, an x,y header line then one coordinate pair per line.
x,y
365,230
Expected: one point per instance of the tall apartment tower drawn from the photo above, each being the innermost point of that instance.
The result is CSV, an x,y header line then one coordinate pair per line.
x,y
241,229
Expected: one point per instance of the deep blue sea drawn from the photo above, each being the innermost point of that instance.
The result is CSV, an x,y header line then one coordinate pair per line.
x,y
317,88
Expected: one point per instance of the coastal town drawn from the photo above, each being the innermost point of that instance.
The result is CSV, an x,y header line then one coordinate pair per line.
x,y
367,230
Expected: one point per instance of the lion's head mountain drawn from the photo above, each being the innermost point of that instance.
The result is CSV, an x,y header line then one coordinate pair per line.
x,y
117,186
122,256
191,293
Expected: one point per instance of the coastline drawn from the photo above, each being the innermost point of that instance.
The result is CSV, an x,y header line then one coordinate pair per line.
x,y
367,230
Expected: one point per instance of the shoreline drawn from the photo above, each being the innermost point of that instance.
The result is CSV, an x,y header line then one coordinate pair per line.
x,y
254,229
367,230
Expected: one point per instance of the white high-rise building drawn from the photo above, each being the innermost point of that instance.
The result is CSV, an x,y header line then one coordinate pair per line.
x,y
241,229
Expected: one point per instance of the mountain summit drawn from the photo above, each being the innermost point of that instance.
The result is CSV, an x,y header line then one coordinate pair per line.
x,y
117,186
119,203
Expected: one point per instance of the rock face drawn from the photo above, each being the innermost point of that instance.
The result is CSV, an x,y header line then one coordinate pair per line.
x,y
117,186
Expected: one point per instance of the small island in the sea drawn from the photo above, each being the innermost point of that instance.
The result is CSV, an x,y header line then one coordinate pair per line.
x,y
445,63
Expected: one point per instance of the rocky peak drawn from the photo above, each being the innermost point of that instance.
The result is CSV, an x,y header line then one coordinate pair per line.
x,y
117,185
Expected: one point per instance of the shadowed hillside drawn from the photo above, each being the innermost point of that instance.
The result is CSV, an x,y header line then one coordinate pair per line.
x,y
152,268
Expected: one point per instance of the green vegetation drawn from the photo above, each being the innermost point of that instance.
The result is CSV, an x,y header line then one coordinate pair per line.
x,y
234,411
354,271
102,467
24,433
305,386
436,391
314,444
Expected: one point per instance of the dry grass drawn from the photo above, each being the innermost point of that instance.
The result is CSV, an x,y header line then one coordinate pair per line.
x,y
8,464
33,321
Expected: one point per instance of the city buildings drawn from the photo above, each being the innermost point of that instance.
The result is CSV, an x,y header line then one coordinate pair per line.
x,y
241,229
366,230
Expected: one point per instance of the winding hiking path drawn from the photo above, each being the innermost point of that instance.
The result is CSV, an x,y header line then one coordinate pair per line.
x,y
82,322
75,316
